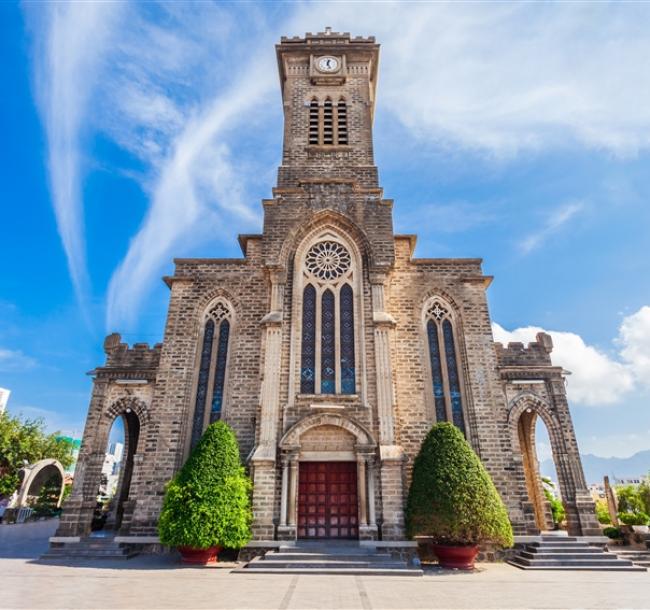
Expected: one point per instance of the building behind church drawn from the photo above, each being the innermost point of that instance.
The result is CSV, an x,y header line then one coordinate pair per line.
x,y
329,348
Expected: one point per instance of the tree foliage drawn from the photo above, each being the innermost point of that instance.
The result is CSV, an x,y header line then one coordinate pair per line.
x,y
602,512
643,491
557,508
452,497
208,502
629,499
25,441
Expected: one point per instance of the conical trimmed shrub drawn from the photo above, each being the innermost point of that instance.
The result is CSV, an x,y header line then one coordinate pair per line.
x,y
208,502
452,497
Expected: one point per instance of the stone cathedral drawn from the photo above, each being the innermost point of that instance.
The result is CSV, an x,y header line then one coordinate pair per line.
x,y
329,348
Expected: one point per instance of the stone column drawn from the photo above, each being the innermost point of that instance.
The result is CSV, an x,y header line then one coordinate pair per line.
x,y
79,507
263,460
361,490
391,455
287,527
371,473
293,490
578,504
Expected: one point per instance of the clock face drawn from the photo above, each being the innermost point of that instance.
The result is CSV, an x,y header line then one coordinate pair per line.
x,y
328,64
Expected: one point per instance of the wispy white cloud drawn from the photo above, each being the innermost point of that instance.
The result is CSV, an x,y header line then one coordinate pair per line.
x,y
14,361
69,57
596,377
178,85
556,220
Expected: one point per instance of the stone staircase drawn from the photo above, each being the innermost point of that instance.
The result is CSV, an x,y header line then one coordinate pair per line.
x,y
639,558
566,553
333,558
89,548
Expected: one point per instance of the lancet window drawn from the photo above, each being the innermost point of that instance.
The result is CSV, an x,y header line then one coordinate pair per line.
x,y
443,358
328,333
211,382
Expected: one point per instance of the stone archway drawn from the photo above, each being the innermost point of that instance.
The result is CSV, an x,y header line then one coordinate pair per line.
x,y
131,424
338,454
522,415
36,476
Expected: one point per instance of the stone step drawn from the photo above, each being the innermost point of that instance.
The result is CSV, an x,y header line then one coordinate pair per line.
x,y
564,556
573,562
598,568
562,549
330,571
379,557
327,563
555,545
337,550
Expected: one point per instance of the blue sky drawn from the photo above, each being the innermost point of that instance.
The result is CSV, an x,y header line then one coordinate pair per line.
x,y
519,133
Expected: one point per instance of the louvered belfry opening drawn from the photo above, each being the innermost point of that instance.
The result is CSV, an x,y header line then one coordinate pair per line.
x,y
342,122
328,123
313,122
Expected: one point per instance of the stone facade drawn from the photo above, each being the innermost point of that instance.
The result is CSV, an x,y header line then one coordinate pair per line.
x,y
366,387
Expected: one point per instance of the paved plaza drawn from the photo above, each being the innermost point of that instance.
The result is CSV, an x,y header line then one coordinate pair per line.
x,y
160,582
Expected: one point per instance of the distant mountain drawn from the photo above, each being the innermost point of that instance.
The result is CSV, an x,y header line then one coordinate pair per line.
x,y
635,466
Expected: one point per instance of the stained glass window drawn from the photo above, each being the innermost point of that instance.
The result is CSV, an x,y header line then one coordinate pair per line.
x,y
436,371
452,374
308,357
220,371
347,340
202,386
328,364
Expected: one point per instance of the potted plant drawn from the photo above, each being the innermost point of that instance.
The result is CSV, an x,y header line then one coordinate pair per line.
x,y
207,504
453,500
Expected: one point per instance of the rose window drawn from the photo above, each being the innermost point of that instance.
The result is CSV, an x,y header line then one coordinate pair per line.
x,y
327,260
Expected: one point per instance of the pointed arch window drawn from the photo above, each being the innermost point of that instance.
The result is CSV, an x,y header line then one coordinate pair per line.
x,y
211,382
443,358
328,333
308,361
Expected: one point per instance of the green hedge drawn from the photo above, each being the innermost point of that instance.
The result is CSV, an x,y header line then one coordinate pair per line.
x,y
452,497
208,502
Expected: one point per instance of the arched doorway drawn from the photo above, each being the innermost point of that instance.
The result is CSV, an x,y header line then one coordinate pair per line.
x,y
117,471
328,480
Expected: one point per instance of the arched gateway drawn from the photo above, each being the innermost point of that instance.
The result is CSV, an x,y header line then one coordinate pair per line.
x,y
328,347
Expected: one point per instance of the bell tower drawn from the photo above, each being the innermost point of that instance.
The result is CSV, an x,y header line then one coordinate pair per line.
x,y
328,83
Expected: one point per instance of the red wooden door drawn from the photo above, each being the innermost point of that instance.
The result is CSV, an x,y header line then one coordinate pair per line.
x,y
327,500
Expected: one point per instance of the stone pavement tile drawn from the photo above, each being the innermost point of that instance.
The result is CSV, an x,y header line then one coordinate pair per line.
x,y
501,587
325,592
158,582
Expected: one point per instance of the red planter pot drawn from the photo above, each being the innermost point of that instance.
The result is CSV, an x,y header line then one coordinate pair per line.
x,y
199,556
458,557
